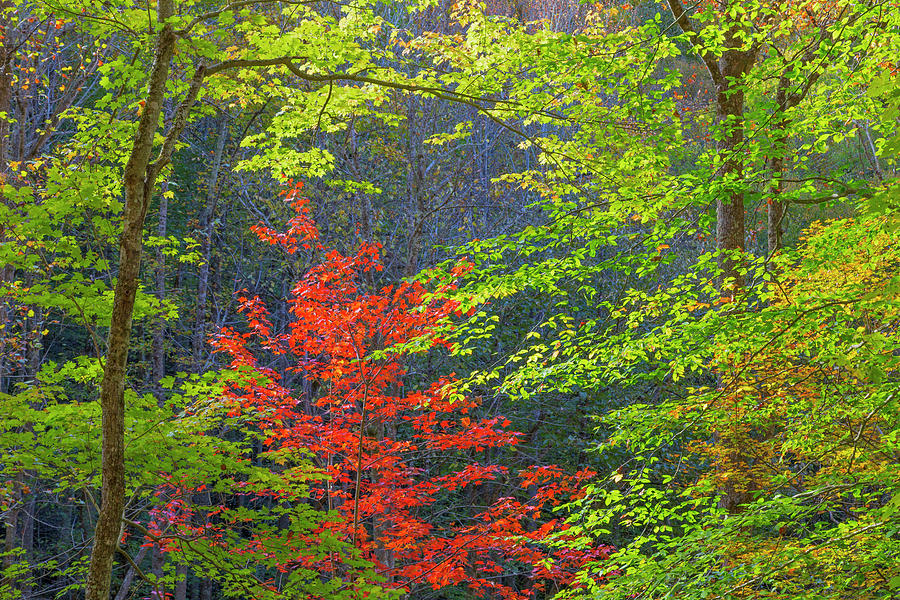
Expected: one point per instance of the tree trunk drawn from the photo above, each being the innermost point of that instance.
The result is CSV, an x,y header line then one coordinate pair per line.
x,y
776,208
139,181
734,65
206,589
206,227
417,195
6,78
363,201
129,575
7,274
28,517
6,271
727,71
784,100
157,561
181,582
158,353
12,527
865,136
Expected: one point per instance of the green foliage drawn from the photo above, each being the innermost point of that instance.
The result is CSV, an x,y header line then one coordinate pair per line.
x,y
14,571
749,428
606,298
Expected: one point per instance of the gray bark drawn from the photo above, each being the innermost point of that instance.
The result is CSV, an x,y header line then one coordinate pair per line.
x,y
206,589
157,561
417,195
776,208
206,227
865,135
158,352
122,594
6,78
181,572
28,537
12,526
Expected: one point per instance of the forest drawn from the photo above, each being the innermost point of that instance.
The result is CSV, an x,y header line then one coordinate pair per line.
x,y
449,299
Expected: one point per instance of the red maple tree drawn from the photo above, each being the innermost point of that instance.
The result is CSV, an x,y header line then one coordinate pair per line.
x,y
406,475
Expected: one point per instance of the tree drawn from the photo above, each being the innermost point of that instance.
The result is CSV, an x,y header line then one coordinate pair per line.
x,y
727,65
806,394
392,456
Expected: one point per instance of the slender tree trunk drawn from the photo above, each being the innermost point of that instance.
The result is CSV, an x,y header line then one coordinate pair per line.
x,y
122,594
7,274
11,525
20,516
181,582
6,78
417,195
206,226
364,202
784,101
28,518
33,333
484,155
865,136
198,340
776,208
196,586
157,561
158,353
7,53
730,232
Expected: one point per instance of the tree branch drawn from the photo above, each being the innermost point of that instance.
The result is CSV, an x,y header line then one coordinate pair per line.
x,y
178,123
234,5
684,22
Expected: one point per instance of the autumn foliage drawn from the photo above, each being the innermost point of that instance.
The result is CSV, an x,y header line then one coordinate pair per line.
x,y
407,476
